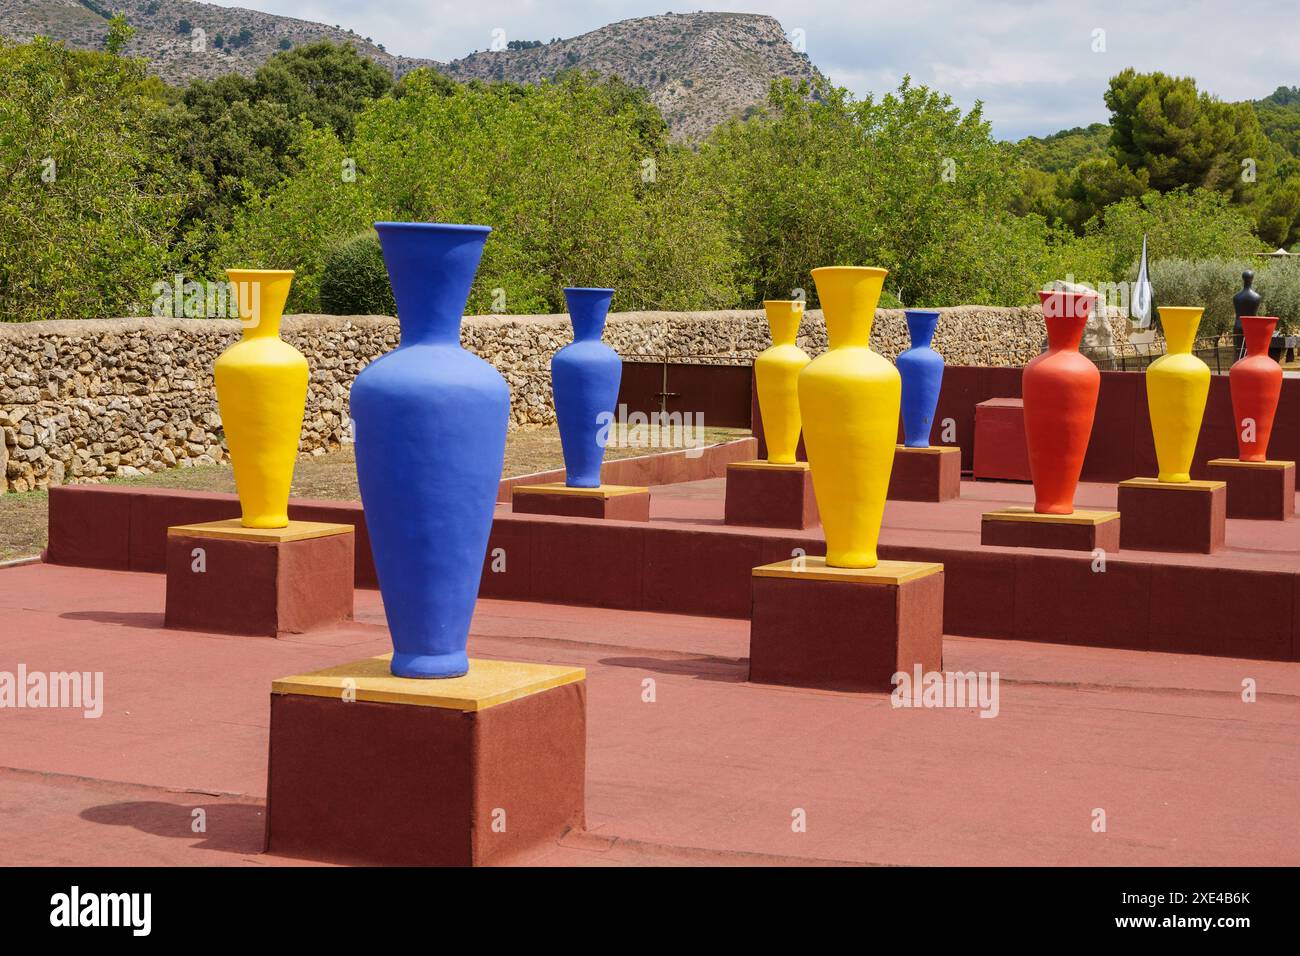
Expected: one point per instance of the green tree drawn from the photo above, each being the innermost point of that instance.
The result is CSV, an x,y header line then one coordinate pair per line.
x,y
906,182
1181,137
1182,224
119,34
562,170
239,135
89,211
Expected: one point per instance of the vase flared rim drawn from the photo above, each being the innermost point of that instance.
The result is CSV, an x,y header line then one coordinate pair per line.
x,y
920,311
865,270
783,302
585,288
1257,318
271,273
1162,309
435,226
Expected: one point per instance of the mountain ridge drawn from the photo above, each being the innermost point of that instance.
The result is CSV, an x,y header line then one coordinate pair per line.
x,y
699,69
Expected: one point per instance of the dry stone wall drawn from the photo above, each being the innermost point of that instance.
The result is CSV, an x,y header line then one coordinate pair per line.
x,y
87,401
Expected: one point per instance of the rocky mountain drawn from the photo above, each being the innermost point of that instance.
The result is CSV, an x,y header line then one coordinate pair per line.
x,y
699,68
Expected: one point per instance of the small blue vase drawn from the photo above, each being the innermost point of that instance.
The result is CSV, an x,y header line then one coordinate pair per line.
x,y
921,368
430,425
585,375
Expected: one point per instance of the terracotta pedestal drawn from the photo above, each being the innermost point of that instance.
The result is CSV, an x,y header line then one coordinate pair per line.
x,y
226,578
1001,452
765,494
369,768
844,629
1172,516
926,474
618,502
1025,528
1257,489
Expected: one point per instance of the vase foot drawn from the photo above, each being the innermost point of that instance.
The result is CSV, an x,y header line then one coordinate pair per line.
x,y
430,666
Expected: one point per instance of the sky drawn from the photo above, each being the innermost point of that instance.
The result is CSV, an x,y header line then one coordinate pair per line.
x,y
1038,67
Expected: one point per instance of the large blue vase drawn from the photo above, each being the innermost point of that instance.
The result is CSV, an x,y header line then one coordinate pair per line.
x,y
430,425
921,368
585,375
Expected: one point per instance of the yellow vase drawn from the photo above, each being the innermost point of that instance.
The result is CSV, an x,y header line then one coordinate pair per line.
x,y
776,374
1177,386
849,397
261,392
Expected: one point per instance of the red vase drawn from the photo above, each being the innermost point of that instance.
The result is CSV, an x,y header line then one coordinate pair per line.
x,y
1256,383
1060,394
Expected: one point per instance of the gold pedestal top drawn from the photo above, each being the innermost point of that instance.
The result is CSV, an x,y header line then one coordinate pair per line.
x,y
816,569
233,529
487,684
560,488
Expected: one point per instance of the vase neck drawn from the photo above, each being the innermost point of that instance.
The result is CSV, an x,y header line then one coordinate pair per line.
x,y
259,296
1258,331
587,311
921,324
431,268
1180,324
1066,315
783,319
848,296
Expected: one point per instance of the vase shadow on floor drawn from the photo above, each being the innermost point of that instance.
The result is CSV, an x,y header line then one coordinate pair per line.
x,y
227,827
725,670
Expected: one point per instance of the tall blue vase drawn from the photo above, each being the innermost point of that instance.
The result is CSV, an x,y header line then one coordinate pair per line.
x,y
921,368
430,425
584,376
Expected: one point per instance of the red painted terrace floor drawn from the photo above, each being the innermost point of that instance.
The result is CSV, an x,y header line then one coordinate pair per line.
x,y
711,772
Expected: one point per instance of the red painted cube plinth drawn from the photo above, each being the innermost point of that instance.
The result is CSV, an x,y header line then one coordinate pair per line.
x,y
1257,489
844,628
1172,516
1000,448
369,768
765,494
1026,528
619,502
926,474
230,579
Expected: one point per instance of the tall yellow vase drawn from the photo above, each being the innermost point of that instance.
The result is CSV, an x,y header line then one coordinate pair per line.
x,y
1177,386
776,375
261,392
849,397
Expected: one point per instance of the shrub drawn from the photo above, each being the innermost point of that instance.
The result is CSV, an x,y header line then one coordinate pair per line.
x,y
1211,284
354,280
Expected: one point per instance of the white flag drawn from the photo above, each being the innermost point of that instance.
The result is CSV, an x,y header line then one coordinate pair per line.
x,y
1140,310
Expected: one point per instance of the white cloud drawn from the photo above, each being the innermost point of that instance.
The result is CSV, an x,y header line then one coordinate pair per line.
x,y
1030,62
